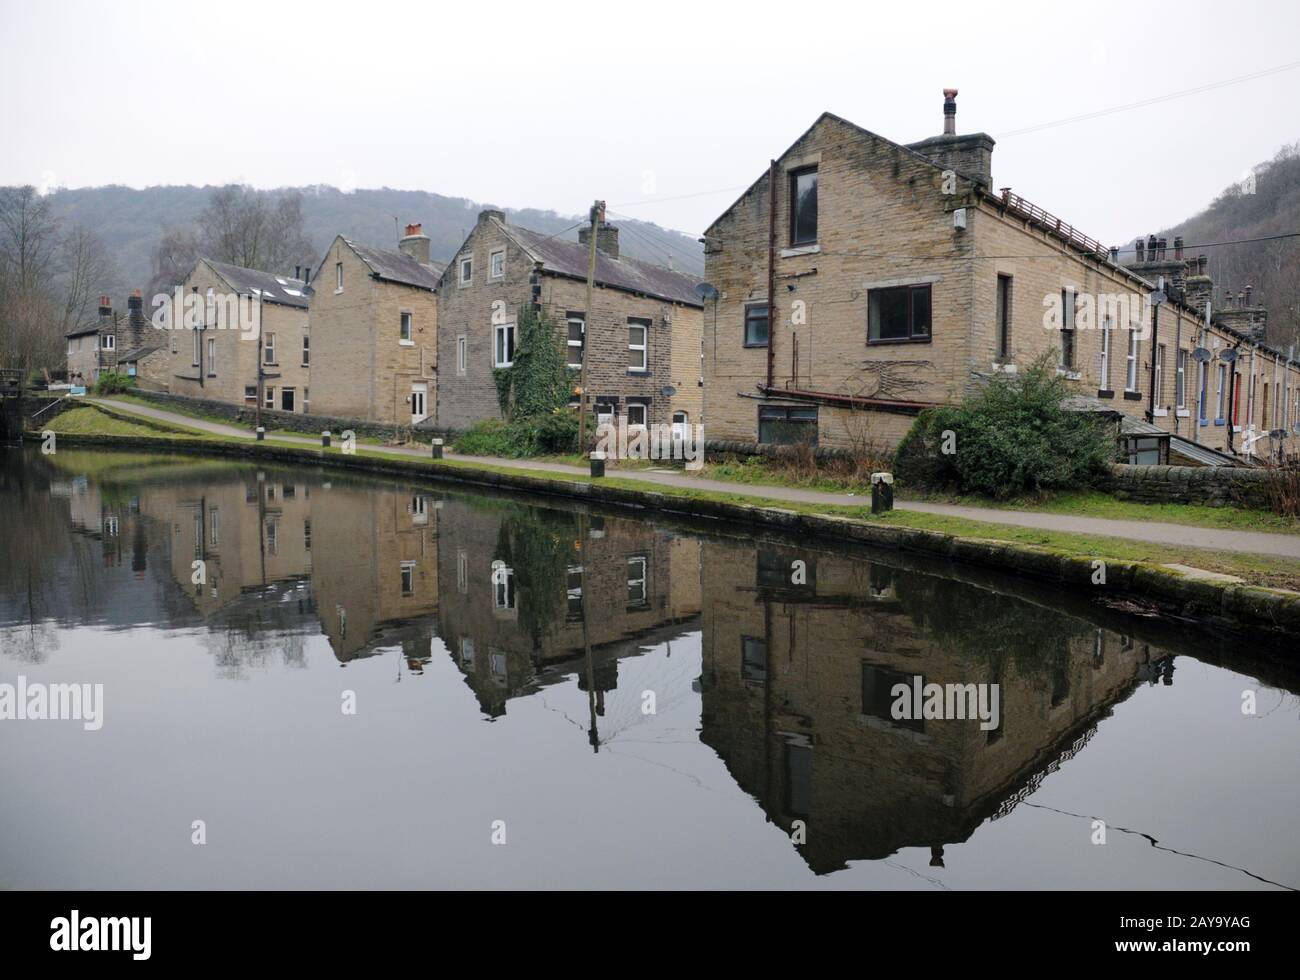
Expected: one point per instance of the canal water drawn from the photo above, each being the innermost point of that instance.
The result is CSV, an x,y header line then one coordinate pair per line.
x,y
315,680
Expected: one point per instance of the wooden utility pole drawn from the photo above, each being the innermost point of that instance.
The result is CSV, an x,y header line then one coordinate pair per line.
x,y
597,217
260,382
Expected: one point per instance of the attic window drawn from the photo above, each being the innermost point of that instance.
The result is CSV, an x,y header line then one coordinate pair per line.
x,y
338,277
466,269
803,206
497,263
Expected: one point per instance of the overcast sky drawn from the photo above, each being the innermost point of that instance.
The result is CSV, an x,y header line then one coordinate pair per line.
x,y
665,110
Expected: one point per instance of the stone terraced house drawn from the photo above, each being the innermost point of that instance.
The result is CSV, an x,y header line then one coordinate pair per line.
x,y
373,331
860,281
643,335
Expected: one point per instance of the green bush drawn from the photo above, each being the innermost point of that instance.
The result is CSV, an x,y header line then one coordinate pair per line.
x,y
111,383
555,433
1011,439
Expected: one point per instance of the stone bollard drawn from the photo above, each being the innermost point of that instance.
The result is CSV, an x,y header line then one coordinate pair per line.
x,y
325,439
435,449
882,492
261,433
597,464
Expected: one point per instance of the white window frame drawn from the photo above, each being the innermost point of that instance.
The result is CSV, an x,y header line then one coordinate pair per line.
x,y
268,397
642,348
1158,369
338,277
679,429
109,342
1131,361
641,408
1105,354
1180,379
306,350
496,253
406,328
498,331
1220,377
462,353
462,571
408,578
212,357
579,345
464,278
504,596
268,349
198,347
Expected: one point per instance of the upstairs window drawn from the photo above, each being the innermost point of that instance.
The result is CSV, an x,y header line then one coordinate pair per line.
x,y
756,326
404,328
466,266
338,277
268,349
497,264
900,314
306,351
1004,318
503,347
637,333
1067,329
110,342
577,333
803,206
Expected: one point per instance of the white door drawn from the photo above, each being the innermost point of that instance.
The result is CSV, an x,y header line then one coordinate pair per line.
x,y
419,396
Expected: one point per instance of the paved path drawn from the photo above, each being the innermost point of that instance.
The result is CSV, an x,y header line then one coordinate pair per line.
x,y
1255,542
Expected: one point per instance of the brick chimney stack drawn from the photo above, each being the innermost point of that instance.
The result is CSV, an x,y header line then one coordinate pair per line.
x,y
135,317
606,238
415,244
970,155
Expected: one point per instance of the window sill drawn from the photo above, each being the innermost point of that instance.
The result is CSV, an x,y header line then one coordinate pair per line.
x,y
892,341
1220,422
1105,393
638,372
1161,413
795,250
339,291
1132,396
762,346
1006,367
406,343
1183,413
1068,374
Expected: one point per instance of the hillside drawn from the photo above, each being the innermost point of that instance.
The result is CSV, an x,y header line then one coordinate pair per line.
x,y
1267,205
131,221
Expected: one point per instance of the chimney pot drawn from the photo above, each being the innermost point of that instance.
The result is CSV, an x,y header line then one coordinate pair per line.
x,y
1178,249
416,244
949,111
1248,289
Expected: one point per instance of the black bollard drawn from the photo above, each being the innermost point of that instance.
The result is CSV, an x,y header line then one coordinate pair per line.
x,y
882,492
261,433
436,449
597,464
325,439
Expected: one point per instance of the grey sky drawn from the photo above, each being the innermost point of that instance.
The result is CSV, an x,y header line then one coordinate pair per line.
x,y
644,105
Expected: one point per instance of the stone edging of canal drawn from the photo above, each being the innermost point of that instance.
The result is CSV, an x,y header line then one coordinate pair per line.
x,y
1171,592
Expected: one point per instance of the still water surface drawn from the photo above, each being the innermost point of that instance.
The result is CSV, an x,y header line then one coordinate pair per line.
x,y
730,727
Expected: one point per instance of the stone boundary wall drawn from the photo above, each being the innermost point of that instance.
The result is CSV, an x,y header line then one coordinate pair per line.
x,y
1215,486
1162,590
289,421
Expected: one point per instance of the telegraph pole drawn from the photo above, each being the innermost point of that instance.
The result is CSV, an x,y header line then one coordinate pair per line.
x,y
597,215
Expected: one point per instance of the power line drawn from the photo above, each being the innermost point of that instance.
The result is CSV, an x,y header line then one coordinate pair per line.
x,y
1152,101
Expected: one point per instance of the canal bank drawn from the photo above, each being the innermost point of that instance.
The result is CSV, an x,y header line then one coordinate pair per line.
x,y
1186,594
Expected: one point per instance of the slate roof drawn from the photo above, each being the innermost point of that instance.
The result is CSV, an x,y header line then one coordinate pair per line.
x,y
83,331
139,353
398,266
284,290
631,275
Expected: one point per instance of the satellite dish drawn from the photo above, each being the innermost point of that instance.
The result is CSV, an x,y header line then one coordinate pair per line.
x,y
706,292
1201,355
1158,297
1228,354
1277,434
668,391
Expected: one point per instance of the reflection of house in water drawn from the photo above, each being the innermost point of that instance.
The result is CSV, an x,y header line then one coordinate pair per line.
x,y
512,605
797,688
375,574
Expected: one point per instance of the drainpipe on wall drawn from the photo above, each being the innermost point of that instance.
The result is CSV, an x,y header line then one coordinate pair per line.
x,y
771,270
1155,348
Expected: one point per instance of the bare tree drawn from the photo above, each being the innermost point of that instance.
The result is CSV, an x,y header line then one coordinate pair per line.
x,y
86,268
173,258
254,229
